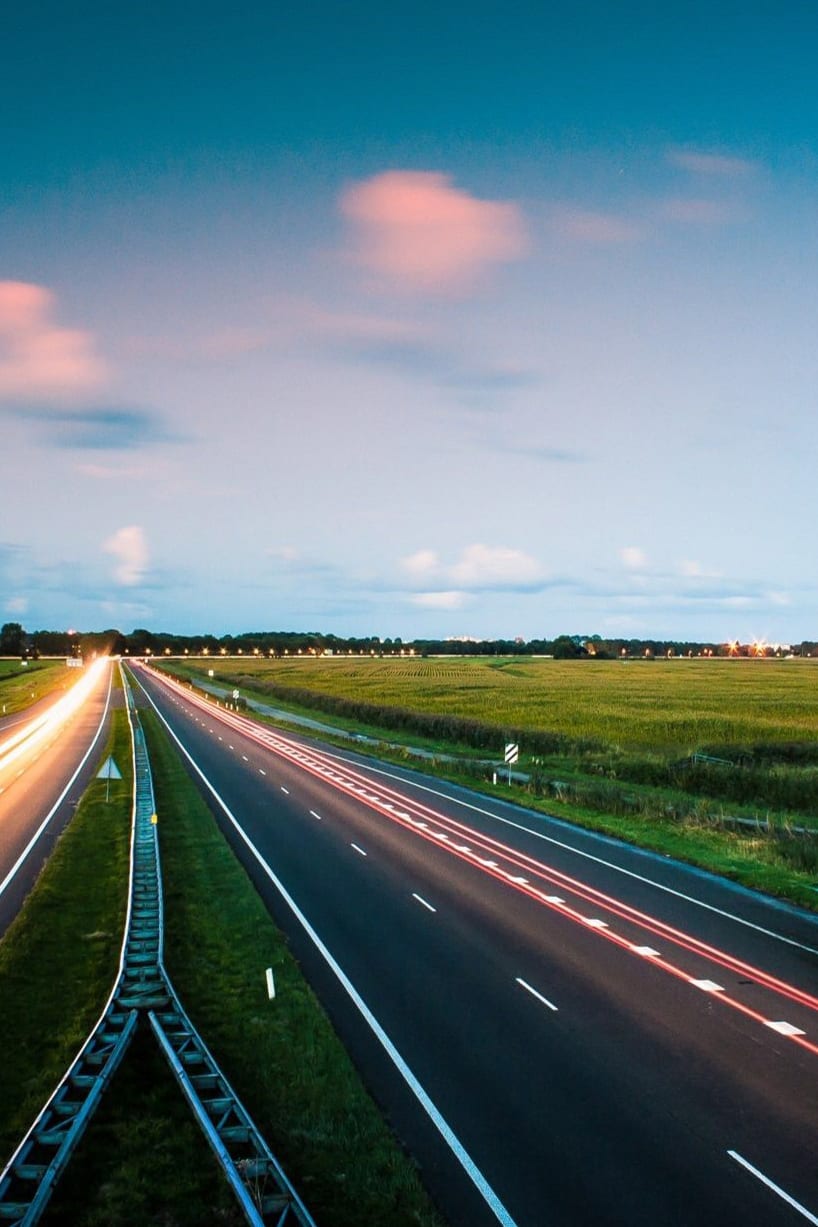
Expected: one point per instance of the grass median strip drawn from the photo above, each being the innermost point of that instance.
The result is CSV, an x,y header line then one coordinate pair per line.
x,y
58,959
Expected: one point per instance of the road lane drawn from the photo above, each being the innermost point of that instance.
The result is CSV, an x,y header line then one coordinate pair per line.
x,y
41,781
620,1106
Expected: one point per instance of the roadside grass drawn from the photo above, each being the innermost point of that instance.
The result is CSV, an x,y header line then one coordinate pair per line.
x,y
24,684
585,790
282,1057
58,959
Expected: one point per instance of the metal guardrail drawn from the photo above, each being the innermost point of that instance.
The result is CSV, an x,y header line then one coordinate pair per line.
x,y
143,990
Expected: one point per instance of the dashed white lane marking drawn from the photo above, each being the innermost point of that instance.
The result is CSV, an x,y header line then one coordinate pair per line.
x,y
519,881
707,986
357,849
221,739
229,746
314,815
647,951
246,759
784,1028
524,984
283,789
420,899
261,771
593,923
796,1205
553,899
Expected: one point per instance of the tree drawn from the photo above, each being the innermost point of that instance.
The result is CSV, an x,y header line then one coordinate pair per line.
x,y
12,639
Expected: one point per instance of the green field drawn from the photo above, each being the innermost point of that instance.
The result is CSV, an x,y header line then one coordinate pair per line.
x,y
23,684
669,706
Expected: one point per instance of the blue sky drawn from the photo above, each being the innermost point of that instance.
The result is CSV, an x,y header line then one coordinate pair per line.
x,y
410,320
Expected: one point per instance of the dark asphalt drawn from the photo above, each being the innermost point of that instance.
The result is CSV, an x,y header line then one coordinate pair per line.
x,y
620,1106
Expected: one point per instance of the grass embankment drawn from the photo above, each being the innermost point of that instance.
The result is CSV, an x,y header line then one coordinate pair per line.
x,y
24,684
650,796
58,959
143,1159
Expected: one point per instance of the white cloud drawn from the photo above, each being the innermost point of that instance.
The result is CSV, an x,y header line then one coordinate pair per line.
x,y
486,566
633,557
421,564
17,605
695,570
129,546
439,600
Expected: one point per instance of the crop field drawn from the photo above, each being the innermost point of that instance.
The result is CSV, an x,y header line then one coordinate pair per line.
x,y
22,684
670,707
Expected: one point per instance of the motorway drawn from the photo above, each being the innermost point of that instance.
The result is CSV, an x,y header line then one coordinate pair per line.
x,y
48,756
562,1030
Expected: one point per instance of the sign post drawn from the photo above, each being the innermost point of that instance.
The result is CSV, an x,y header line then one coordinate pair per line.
x,y
107,772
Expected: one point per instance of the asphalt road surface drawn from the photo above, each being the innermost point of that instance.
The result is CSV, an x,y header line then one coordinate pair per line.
x,y
42,777
562,1030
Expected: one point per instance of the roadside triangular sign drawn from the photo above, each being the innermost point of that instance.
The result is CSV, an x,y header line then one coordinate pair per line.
x,y
109,770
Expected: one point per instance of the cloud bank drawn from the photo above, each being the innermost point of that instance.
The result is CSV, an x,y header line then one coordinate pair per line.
x,y
39,359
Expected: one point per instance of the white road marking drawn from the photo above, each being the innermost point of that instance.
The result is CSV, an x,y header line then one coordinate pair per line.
x,y
519,881
357,849
246,759
261,771
647,951
590,856
553,899
283,789
423,901
784,1028
314,815
524,984
796,1205
707,986
593,923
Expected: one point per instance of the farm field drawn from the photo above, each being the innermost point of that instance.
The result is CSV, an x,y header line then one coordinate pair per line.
x,y
22,685
671,707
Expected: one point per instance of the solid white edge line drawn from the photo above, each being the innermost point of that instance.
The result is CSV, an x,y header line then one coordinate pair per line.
x,y
599,860
450,1138
534,993
420,899
12,873
796,1205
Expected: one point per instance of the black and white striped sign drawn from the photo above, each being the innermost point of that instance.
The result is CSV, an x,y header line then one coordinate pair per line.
x,y
512,752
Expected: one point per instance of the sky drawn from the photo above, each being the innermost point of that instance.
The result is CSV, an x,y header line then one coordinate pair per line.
x,y
417,320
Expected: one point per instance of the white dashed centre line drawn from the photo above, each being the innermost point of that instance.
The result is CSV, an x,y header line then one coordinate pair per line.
x,y
357,849
707,986
246,759
261,771
647,951
421,900
283,789
524,984
785,1028
314,815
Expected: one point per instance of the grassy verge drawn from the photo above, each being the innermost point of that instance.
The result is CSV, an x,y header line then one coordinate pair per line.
x,y
59,958
283,1058
21,685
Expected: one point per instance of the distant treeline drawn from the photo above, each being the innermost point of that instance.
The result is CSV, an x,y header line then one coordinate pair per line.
x,y
15,640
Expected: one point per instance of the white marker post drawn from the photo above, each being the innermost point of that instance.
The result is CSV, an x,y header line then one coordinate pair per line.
x,y
271,987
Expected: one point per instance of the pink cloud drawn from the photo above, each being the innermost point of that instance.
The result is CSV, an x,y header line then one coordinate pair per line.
x,y
710,163
586,226
415,231
38,359
699,212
